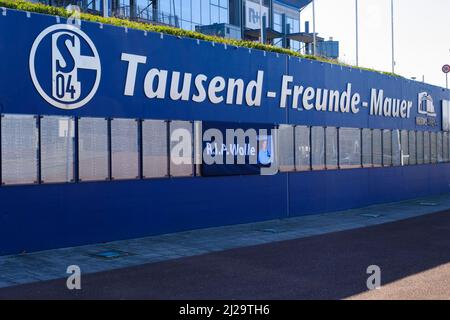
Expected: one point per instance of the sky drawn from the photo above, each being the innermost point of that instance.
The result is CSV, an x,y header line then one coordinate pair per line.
x,y
421,33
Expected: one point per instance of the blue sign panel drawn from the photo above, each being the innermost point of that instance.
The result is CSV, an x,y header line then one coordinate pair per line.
x,y
236,149
55,67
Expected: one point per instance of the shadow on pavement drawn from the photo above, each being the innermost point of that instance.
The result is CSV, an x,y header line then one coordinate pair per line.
x,y
331,266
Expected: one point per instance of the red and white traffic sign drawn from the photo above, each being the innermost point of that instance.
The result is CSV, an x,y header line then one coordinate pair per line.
x,y
446,68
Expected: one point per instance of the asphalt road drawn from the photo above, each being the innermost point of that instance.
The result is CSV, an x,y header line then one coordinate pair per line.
x,y
413,254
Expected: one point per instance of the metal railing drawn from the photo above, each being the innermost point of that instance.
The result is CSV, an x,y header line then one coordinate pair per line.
x,y
142,13
147,14
88,6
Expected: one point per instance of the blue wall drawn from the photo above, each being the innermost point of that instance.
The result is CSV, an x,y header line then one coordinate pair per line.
x,y
50,216
38,217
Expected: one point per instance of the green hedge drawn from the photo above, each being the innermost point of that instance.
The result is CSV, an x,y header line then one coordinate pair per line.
x,y
58,11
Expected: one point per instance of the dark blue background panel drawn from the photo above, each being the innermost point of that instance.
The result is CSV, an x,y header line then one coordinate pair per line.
x,y
74,214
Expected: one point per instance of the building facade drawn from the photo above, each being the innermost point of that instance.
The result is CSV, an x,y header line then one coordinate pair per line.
x,y
237,19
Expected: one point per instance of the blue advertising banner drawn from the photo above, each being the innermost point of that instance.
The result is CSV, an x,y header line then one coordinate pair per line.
x,y
52,66
237,149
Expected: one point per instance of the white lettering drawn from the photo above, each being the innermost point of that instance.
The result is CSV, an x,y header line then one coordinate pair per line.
x,y
160,91
285,91
133,61
254,91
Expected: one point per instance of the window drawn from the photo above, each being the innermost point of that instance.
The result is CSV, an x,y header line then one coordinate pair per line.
x,y
367,148
387,148
286,148
181,149
426,147
445,115
440,155
420,144
196,12
124,149
302,148
433,147
377,148
57,147
404,139
19,149
331,148
349,148
318,148
412,147
93,149
445,149
154,148
205,12
396,148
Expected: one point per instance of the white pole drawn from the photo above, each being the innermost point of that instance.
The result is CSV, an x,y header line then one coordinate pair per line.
x,y
357,33
314,28
392,30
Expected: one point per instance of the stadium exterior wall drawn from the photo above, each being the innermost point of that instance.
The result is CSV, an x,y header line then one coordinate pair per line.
x,y
44,216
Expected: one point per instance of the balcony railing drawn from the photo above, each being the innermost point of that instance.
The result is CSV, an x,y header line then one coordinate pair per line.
x,y
142,13
88,6
147,14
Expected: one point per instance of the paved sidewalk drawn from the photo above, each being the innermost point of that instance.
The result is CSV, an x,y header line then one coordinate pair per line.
x,y
52,264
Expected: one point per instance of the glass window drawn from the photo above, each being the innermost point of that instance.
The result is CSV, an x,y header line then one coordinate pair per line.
x,y
223,15
164,6
196,12
186,10
19,149
419,144
154,148
318,148
387,148
302,148
412,147
349,148
377,148
367,147
331,155
396,148
426,147
176,7
181,149
433,147
440,155
205,12
445,149
93,149
286,148
124,149
214,14
57,147
405,147
277,22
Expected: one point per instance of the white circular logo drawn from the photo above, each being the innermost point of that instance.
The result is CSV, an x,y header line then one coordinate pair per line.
x,y
65,66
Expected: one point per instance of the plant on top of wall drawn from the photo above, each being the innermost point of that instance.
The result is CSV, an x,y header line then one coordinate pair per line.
x,y
62,12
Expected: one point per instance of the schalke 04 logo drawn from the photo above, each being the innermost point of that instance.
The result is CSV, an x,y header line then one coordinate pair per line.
x,y
65,66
